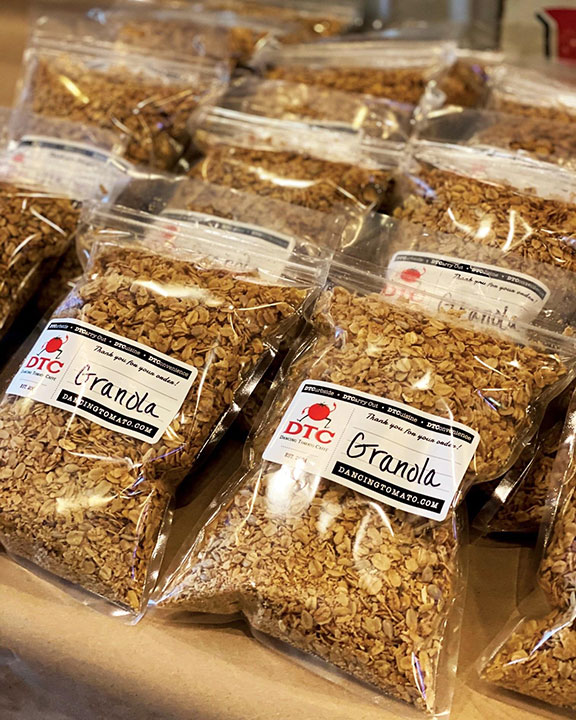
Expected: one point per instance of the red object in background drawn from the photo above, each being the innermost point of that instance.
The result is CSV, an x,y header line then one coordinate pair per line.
x,y
561,23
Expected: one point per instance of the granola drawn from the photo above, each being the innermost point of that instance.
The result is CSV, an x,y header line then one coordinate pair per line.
x,y
547,140
87,503
214,40
537,660
148,111
538,656
311,24
359,584
404,85
525,510
296,178
491,213
35,231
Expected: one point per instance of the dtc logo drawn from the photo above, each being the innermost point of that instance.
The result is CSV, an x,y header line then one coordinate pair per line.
x,y
316,413
405,284
51,365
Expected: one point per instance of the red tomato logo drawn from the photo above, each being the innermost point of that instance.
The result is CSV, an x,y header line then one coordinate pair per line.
x,y
318,412
54,345
411,275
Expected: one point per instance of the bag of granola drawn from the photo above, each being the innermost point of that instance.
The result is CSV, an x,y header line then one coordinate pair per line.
x,y
540,138
389,69
285,230
342,228
317,105
466,82
341,537
84,161
546,93
517,502
223,36
297,162
535,655
515,205
43,182
145,99
136,375
313,18
305,19
437,270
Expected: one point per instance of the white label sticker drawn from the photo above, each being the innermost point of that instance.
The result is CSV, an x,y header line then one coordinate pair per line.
x,y
486,287
117,383
386,450
75,168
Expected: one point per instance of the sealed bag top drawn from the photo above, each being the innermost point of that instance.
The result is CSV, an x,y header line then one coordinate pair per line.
x,y
82,162
387,69
321,106
268,219
439,269
300,163
546,94
543,139
145,100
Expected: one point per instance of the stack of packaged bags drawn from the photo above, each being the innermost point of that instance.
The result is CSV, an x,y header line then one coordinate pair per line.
x,y
362,246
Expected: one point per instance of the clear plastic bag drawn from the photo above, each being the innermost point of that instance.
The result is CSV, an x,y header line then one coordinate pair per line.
x,y
517,502
36,228
299,163
271,220
83,162
536,137
315,17
389,69
40,206
333,551
546,94
59,282
219,35
517,205
325,107
466,83
154,352
438,269
146,100
535,655
524,508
